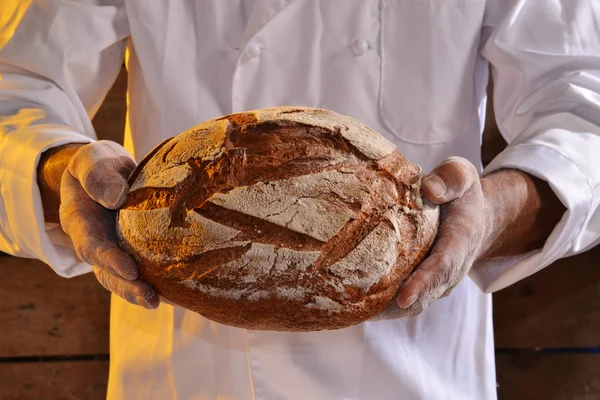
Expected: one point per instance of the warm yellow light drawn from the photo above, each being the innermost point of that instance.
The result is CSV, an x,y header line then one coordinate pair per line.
x,y
128,139
22,119
10,17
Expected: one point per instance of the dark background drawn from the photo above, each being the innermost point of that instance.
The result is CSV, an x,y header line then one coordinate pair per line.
x,y
54,331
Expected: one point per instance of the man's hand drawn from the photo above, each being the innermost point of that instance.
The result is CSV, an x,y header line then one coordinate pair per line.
x,y
455,185
504,214
92,186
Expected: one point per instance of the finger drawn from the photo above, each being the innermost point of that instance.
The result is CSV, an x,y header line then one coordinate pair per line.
x,y
103,168
450,180
90,227
393,311
449,291
136,292
420,305
459,236
105,254
434,275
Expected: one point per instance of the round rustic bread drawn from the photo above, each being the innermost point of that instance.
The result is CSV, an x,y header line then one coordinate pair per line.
x,y
290,219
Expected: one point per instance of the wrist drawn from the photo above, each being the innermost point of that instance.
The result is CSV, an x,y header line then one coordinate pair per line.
x,y
51,166
495,215
520,213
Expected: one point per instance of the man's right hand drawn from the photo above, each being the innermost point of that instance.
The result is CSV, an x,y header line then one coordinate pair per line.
x,y
92,187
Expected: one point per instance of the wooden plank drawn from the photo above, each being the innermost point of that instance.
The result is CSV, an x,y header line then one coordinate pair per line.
x,y
520,376
81,380
557,307
533,376
42,313
109,121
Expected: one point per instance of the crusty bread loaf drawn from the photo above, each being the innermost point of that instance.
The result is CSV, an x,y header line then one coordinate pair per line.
x,y
291,219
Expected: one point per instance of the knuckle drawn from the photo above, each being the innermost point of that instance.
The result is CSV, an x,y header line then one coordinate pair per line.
x,y
459,174
92,248
460,178
458,231
80,159
91,162
130,289
115,285
109,146
105,183
425,274
101,149
138,291
417,308
440,273
129,296
431,281
83,252
113,151
124,164
79,155
462,165
67,213
105,250
101,261
448,291
444,260
466,232
97,242
102,277
446,276
95,179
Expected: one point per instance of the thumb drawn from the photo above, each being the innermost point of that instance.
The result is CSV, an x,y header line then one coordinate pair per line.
x,y
450,180
102,168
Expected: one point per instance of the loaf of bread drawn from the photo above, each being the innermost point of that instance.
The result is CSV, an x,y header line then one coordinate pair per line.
x,y
290,219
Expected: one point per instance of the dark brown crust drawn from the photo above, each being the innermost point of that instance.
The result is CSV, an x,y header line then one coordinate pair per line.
x,y
202,264
347,239
147,158
263,151
149,198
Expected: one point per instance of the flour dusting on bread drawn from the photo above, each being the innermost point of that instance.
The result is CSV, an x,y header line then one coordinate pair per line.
x,y
286,218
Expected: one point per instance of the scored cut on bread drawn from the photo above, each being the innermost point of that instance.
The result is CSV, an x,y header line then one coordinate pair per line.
x,y
285,218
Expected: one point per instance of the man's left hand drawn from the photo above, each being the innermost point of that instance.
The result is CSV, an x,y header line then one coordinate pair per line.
x,y
455,185
504,214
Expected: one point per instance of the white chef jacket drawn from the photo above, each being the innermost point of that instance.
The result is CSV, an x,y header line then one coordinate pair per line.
x,y
414,70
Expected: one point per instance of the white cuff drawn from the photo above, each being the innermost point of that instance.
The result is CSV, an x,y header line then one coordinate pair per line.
x,y
570,185
22,227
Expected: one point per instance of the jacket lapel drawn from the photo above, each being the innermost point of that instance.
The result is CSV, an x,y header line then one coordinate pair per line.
x,y
262,12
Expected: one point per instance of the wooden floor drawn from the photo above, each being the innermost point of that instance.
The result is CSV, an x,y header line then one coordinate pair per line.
x,y
54,341
54,331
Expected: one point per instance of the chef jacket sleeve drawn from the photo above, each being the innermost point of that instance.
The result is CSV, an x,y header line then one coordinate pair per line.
x,y
545,57
58,59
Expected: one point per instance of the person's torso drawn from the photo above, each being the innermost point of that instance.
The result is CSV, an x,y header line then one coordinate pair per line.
x,y
409,69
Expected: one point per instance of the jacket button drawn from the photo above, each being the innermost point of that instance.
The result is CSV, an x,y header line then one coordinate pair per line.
x,y
360,47
252,50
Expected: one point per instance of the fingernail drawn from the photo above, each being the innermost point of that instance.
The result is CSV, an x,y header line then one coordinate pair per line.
x,y
114,193
141,301
148,305
129,273
148,296
409,301
436,185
